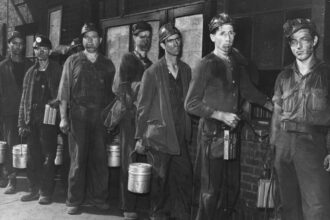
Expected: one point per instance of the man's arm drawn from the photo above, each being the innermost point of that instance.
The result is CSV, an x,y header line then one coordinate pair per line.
x,y
251,93
64,95
144,102
194,103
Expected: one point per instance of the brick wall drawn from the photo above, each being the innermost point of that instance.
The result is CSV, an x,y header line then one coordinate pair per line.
x,y
253,155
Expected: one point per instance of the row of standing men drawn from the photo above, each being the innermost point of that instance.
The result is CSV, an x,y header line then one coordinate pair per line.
x,y
151,104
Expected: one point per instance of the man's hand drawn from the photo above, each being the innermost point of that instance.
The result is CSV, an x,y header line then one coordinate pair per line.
x,y
139,148
326,163
228,118
23,131
64,125
269,105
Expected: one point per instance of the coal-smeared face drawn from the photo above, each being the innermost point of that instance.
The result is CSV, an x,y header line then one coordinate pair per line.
x,y
302,44
41,52
91,41
16,46
172,45
143,40
223,38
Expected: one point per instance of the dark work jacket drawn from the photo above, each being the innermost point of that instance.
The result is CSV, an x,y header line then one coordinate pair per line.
x,y
127,79
86,84
10,92
53,74
302,99
155,125
214,87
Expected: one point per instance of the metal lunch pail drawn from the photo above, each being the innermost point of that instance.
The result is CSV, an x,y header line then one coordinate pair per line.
x,y
139,177
3,147
20,156
113,151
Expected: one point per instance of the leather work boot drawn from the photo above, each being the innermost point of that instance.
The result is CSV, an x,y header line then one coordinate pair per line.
x,y
130,216
73,210
11,187
45,200
33,195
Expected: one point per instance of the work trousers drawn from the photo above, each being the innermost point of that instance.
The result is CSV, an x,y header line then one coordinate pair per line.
x,y
10,134
171,187
130,202
219,186
42,144
304,183
88,169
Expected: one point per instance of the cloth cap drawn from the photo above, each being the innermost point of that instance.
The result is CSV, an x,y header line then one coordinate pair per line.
x,y
292,26
219,20
15,34
87,27
166,31
41,41
141,26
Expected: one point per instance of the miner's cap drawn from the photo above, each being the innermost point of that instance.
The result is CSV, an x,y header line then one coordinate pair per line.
x,y
166,31
140,27
292,26
15,34
41,41
87,27
219,20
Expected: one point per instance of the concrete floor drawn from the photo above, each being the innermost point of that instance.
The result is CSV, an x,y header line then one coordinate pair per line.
x,y
11,208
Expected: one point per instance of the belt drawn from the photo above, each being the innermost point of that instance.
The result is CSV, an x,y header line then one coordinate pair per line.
x,y
303,128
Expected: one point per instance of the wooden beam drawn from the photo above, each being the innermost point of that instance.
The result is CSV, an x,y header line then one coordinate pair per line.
x,y
18,11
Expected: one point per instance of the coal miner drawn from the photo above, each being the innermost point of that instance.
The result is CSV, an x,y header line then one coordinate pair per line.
x,y
12,71
218,86
299,127
126,87
39,95
164,129
85,90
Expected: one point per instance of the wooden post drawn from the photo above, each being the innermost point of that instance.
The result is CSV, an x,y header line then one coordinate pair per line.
x,y
318,17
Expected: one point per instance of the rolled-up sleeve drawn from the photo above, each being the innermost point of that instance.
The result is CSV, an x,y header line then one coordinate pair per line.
x,y
66,81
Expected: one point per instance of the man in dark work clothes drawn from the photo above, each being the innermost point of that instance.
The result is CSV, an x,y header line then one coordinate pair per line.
x,y
164,129
126,87
218,82
85,87
12,71
40,87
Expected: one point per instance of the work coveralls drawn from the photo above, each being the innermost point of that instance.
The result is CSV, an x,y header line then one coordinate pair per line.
x,y
86,86
39,89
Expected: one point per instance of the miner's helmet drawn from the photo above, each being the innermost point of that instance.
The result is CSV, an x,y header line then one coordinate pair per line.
x,y
292,26
166,31
41,41
87,27
15,34
140,27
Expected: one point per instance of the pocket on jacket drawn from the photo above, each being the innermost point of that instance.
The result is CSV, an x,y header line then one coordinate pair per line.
x,y
156,133
318,99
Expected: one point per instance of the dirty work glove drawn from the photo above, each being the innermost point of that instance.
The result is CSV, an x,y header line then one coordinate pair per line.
x,y
139,148
24,131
